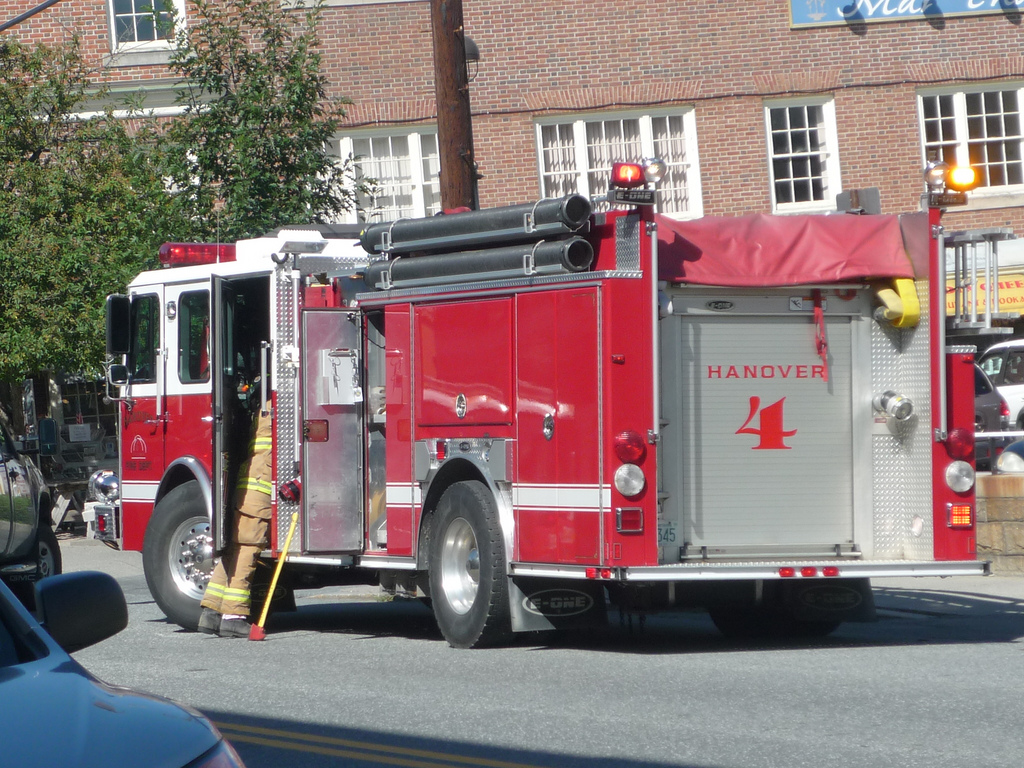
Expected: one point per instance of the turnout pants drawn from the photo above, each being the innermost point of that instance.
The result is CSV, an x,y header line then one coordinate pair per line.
x,y
228,590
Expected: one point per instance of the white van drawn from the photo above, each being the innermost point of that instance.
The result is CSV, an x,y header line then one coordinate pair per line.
x,y
1004,364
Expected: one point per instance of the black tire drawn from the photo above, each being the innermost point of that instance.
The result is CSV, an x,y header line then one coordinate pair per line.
x,y
468,583
48,559
177,554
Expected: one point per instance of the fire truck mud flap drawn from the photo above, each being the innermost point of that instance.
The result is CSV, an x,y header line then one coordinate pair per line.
x,y
538,605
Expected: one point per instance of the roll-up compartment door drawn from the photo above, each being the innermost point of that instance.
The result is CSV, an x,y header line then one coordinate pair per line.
x,y
760,445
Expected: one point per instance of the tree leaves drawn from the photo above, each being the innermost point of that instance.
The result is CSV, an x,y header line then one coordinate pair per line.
x,y
85,204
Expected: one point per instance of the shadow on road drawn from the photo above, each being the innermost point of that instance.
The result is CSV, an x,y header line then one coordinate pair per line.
x,y
264,741
905,616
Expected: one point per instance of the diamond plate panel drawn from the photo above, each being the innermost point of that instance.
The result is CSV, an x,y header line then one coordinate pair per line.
x,y
286,385
627,243
901,462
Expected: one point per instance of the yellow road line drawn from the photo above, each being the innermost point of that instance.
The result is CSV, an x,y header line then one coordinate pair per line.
x,y
329,745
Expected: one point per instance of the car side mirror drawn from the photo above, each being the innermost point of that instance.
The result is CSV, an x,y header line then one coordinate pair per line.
x,y
80,609
49,437
119,337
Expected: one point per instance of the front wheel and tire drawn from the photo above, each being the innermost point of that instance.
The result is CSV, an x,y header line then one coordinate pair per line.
x,y
177,554
468,583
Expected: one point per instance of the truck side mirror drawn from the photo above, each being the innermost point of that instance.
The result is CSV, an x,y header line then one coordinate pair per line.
x,y
49,437
119,334
117,375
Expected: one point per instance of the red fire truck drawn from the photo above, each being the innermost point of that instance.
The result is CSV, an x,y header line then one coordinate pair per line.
x,y
530,413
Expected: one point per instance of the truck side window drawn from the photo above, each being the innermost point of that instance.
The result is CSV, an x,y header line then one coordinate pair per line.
x,y
194,337
145,337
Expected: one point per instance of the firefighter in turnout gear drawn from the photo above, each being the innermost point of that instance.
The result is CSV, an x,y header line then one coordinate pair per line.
x,y
226,603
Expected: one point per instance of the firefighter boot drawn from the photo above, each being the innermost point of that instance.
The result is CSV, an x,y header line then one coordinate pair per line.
x,y
209,622
236,626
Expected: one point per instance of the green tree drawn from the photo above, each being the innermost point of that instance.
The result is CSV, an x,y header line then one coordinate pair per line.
x,y
83,208
250,153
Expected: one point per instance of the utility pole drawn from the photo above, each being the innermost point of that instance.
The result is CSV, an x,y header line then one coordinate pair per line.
x,y
454,119
26,15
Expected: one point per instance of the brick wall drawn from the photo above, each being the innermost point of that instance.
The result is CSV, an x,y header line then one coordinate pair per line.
x,y
722,58
1001,522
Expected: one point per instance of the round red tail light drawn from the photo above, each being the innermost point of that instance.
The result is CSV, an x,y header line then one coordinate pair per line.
x,y
630,447
960,443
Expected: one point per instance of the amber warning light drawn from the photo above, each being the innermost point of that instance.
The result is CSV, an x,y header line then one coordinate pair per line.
x,y
190,254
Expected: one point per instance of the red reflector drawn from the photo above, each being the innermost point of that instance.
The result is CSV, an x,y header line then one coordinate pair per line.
x,y
787,573
831,571
627,175
442,450
630,447
808,571
960,515
591,573
101,523
606,573
960,443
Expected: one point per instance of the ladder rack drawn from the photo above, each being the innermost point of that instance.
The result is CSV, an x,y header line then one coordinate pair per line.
x,y
975,258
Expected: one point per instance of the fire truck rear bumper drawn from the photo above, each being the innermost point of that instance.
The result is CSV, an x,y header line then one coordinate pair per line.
x,y
761,570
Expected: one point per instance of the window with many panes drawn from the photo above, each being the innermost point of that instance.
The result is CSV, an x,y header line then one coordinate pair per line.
x,y
399,174
982,128
577,156
803,162
144,23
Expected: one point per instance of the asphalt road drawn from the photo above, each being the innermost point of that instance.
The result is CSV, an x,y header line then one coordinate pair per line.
x,y
349,680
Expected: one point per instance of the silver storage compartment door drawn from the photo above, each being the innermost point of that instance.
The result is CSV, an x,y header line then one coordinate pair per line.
x,y
332,442
761,437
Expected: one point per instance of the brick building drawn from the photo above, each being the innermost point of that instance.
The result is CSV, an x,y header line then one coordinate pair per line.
x,y
773,106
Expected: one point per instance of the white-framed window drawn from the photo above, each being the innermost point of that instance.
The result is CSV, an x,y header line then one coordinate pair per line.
x,y
403,170
803,159
980,126
576,155
144,24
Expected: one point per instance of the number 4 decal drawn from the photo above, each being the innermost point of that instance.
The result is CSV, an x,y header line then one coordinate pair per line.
x,y
770,430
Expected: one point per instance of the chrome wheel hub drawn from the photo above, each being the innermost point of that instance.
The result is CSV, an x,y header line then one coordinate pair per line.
x,y
460,566
190,556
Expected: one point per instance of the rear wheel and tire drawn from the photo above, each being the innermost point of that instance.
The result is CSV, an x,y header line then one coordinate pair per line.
x,y
468,582
177,554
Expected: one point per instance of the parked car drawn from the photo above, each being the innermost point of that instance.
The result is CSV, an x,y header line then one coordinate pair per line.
x,y
991,414
56,714
28,545
1003,363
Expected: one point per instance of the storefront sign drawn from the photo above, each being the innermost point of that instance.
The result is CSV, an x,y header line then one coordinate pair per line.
x,y
1011,296
816,13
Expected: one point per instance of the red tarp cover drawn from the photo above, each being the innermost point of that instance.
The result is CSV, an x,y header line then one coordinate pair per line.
x,y
759,250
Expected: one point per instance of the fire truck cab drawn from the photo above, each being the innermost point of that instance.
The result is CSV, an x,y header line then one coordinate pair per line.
x,y
532,412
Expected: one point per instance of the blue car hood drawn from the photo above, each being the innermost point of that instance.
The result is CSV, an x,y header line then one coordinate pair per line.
x,y
54,713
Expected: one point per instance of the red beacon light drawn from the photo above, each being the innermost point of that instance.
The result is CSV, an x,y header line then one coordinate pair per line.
x,y
191,254
627,175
